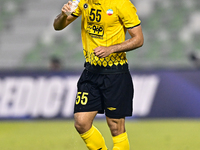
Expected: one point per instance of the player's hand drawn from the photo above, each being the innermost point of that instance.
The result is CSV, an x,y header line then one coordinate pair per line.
x,y
102,51
66,8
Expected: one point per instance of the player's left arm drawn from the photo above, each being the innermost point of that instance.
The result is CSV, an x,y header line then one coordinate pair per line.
x,y
134,42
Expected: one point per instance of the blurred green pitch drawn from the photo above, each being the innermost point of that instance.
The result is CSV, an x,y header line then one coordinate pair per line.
x,y
61,135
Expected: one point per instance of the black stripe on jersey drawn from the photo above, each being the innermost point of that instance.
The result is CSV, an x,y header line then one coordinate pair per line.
x,y
133,26
74,15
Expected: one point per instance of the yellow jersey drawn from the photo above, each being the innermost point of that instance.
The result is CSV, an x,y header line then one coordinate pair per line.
x,y
104,23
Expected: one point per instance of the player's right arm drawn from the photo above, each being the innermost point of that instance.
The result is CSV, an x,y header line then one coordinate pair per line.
x,y
62,20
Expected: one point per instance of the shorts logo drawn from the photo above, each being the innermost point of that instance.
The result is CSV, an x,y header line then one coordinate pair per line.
x,y
111,108
109,12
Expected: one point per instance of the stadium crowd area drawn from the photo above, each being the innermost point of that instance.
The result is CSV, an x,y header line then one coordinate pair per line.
x,y
28,40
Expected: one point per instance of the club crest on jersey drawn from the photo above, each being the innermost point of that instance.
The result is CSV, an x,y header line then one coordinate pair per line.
x,y
109,12
85,6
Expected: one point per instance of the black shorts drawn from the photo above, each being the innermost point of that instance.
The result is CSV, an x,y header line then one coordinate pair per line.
x,y
109,93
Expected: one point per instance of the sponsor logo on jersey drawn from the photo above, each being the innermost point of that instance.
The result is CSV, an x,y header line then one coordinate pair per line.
x,y
96,31
109,12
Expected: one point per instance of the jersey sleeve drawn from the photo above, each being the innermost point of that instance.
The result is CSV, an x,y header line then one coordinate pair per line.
x,y
128,14
78,11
